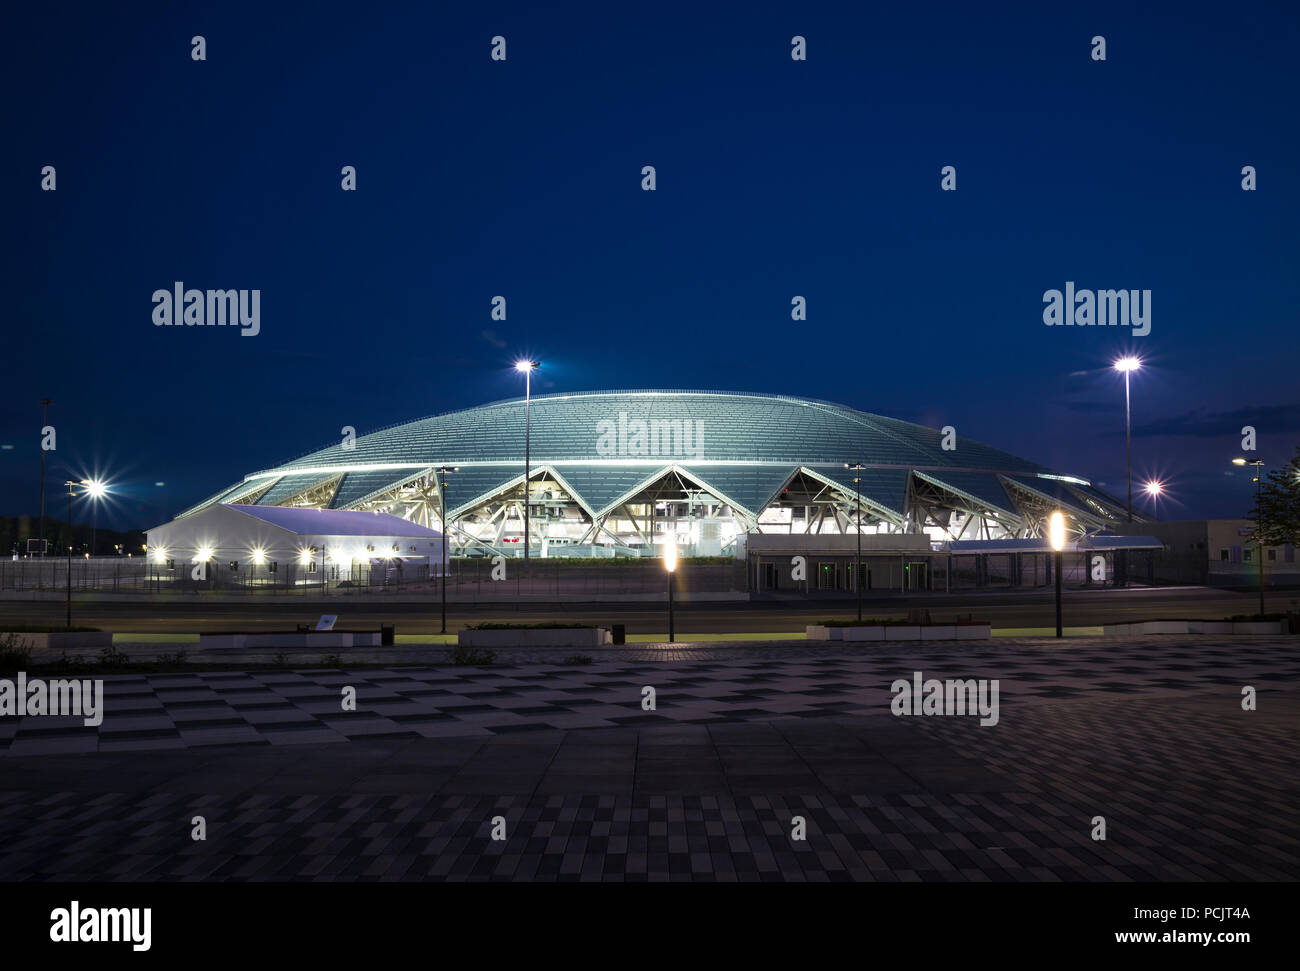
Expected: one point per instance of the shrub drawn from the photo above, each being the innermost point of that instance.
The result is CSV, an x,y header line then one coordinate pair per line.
x,y
111,657
549,625
15,656
461,656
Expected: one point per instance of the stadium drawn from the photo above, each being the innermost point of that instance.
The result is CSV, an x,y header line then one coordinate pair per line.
x,y
613,473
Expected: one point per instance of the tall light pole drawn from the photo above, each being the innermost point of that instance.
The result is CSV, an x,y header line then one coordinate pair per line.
x,y
526,368
1056,534
1259,536
1127,365
95,490
670,565
856,468
72,485
45,404
442,516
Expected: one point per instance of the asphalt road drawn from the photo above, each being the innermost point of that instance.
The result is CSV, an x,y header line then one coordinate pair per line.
x,y
1020,609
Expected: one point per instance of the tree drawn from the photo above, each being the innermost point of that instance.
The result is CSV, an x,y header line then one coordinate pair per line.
x,y
1278,510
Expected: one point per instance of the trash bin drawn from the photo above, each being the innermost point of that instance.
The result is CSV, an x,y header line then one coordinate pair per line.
x,y
618,633
386,632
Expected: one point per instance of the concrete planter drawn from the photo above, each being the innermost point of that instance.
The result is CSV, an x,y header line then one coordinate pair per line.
x,y
308,639
69,641
545,637
938,632
1261,627
866,633
1196,627
908,633
931,632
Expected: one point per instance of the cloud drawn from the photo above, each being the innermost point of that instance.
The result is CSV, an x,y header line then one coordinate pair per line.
x,y
491,337
1218,424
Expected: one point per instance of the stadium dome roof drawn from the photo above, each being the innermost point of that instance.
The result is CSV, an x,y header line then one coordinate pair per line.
x,y
604,446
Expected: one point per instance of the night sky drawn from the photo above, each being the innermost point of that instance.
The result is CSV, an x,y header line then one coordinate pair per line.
x,y
522,178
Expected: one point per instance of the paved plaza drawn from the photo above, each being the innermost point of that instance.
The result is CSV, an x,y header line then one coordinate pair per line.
x,y
1148,733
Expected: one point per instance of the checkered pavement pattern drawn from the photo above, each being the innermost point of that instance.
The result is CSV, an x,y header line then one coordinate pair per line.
x,y
171,711
1177,804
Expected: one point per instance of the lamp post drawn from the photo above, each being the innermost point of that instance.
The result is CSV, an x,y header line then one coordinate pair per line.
x,y
45,404
1259,536
856,468
72,485
670,565
1056,533
1127,365
442,516
95,490
526,368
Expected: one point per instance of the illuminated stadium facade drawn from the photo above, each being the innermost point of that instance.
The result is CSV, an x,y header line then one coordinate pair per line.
x,y
619,472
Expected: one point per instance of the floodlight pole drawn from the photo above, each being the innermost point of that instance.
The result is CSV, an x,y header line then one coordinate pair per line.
x,y
528,395
1128,438
442,515
70,483
1259,535
45,404
857,468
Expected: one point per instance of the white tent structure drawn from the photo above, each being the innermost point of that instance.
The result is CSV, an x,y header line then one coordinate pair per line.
x,y
297,539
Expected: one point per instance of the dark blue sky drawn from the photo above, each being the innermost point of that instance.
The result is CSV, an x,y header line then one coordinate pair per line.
x,y
522,178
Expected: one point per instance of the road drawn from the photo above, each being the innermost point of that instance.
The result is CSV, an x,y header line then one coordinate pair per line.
x,y
1004,609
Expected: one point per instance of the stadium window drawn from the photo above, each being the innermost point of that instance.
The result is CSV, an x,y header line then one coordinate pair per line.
x,y
1272,556
270,567
1245,555
1223,554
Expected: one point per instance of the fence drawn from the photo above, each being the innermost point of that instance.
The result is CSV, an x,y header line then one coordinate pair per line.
x,y
467,579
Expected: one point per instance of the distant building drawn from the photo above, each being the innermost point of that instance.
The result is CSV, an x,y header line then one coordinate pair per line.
x,y
816,566
283,545
1217,552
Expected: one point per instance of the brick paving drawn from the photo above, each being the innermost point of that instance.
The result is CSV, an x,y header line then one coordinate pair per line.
x,y
1148,734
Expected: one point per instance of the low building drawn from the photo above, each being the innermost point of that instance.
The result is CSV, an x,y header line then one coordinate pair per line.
x,y
811,565
284,545
1218,552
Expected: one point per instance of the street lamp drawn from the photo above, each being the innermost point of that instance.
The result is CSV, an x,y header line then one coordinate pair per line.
x,y
1127,365
1056,534
72,485
670,565
45,404
857,467
526,368
1259,536
95,490
442,516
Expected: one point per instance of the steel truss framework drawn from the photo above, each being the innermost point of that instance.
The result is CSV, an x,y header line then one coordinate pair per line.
x,y
672,501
